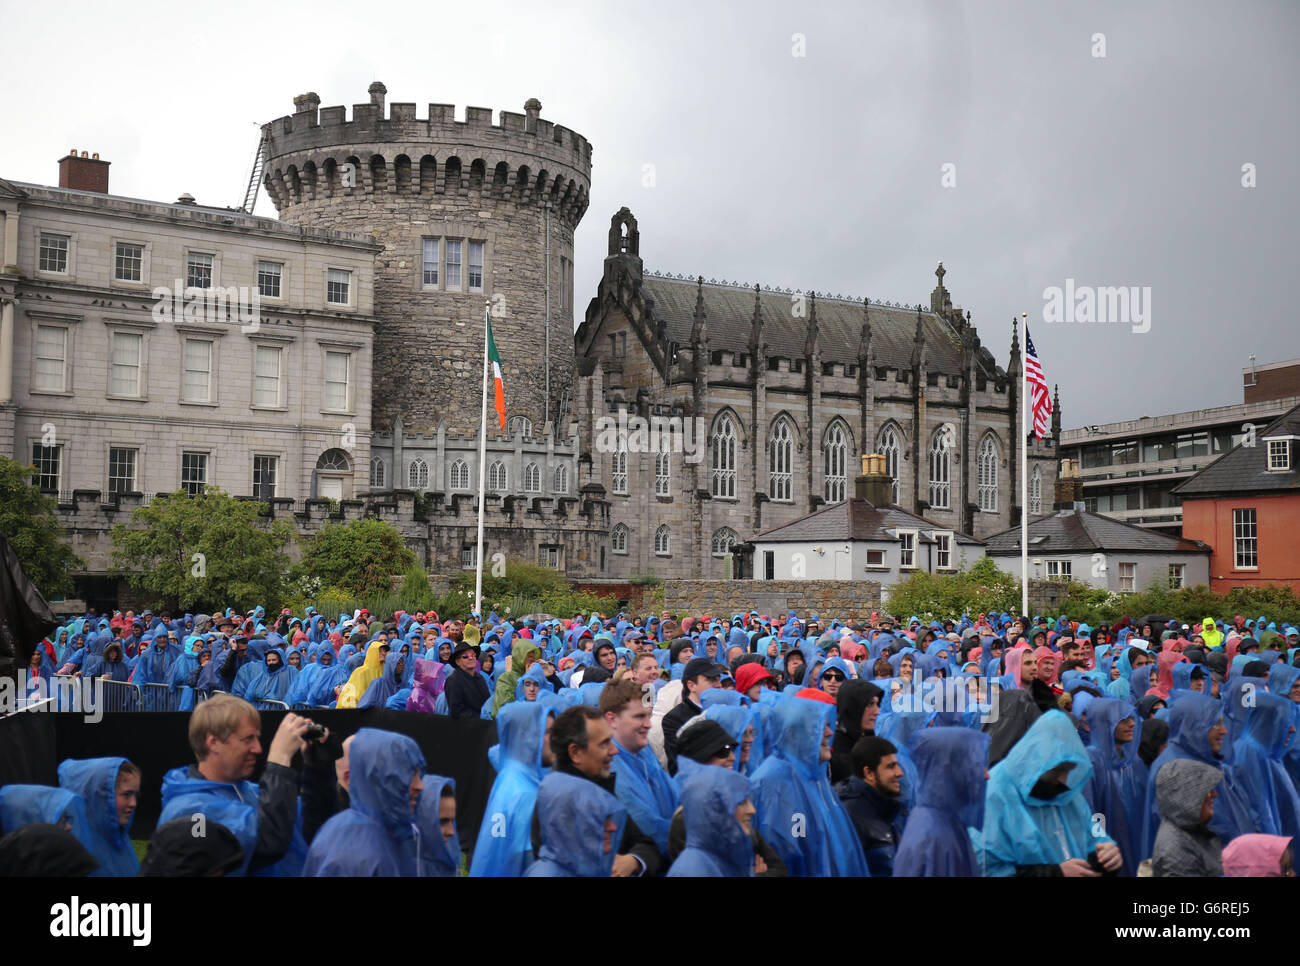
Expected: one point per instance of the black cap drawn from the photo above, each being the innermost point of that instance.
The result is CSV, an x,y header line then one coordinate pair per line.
x,y
701,667
703,739
461,648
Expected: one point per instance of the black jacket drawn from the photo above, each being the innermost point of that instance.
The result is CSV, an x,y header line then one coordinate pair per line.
x,y
672,724
634,841
875,818
851,703
466,694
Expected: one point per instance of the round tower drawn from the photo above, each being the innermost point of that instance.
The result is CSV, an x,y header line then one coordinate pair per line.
x,y
462,209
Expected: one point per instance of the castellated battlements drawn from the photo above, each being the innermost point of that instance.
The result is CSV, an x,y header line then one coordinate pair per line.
x,y
522,158
468,213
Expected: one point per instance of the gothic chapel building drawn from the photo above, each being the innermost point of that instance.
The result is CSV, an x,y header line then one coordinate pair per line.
x,y
790,391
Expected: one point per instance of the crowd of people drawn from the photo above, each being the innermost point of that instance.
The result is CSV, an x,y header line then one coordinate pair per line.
x,y
751,744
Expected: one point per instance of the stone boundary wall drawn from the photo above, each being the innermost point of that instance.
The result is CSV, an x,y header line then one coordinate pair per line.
x,y
827,598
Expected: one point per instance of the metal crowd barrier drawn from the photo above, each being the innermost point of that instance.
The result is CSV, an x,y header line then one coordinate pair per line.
x,y
118,695
267,704
159,697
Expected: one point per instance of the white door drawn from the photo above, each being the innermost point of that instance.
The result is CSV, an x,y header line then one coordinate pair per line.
x,y
331,488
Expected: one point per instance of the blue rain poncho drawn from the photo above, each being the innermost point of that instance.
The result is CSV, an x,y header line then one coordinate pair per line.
x,y
1189,727
157,655
735,719
898,727
950,765
24,804
716,844
439,857
1022,830
799,813
572,813
505,846
647,791
1259,772
377,835
1118,786
95,781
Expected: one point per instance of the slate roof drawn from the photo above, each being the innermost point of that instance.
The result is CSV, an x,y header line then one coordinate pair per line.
x,y
854,519
1076,531
730,314
1245,468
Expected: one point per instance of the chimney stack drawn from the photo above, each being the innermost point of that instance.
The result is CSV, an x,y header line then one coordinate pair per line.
x,y
1069,487
83,172
874,485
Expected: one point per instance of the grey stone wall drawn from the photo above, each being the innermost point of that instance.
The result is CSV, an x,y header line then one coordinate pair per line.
x,y
845,599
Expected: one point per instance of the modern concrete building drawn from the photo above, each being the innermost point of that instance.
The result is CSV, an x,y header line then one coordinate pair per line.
x,y
1130,469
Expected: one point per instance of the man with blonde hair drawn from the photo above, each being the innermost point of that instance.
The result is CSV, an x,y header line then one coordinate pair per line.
x,y
224,734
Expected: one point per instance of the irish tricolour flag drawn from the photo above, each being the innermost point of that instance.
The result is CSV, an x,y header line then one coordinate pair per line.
x,y
498,387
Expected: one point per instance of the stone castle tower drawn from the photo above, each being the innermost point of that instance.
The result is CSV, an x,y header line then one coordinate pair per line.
x,y
462,209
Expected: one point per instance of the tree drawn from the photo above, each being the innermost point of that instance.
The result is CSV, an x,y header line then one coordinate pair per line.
x,y
192,552
359,556
28,518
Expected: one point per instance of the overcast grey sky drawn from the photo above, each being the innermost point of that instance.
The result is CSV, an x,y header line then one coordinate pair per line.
x,y
816,163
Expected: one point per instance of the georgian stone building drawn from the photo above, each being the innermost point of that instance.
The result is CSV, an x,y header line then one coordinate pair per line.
x,y
789,391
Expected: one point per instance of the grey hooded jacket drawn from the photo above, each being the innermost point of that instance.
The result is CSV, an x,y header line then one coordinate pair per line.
x,y
1184,846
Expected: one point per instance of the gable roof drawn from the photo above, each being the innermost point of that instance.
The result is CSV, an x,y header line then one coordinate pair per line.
x,y
857,520
1077,531
1245,468
730,315
9,190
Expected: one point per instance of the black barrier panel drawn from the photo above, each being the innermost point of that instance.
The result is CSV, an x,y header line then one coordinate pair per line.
x,y
33,744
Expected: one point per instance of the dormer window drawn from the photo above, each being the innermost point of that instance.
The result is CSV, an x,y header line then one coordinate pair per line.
x,y
1279,455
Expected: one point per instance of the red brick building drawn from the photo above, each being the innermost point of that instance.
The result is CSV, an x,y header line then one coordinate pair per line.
x,y
1246,506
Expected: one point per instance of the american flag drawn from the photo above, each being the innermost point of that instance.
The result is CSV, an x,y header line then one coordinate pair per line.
x,y
1039,397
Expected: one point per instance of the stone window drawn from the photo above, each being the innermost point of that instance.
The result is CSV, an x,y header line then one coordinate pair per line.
x,y
723,539
1036,493
661,541
943,551
618,538
125,354
519,426
264,474
835,453
51,354
561,479
338,287
663,470
497,480
196,380
417,475
194,473
377,473
269,275
337,365
48,461
54,253
907,550
121,470
453,263
988,475
532,479
266,375
128,262
476,266
550,555
780,459
889,448
431,262
620,472
458,475
722,448
198,270
940,471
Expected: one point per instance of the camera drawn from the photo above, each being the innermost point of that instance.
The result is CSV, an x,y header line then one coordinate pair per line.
x,y
314,732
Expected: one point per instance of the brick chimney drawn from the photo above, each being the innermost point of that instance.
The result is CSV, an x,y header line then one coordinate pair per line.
x,y
874,485
1069,487
84,172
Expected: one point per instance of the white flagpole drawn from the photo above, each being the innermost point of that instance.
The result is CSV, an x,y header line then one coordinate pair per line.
x,y
482,469
1024,474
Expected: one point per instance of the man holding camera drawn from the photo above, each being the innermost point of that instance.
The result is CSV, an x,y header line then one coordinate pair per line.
x,y
224,733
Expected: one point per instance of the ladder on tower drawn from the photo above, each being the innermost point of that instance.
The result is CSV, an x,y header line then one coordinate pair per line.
x,y
255,179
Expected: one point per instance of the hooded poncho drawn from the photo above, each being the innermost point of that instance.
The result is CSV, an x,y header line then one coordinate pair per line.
x,y
950,765
716,844
504,846
95,781
572,815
